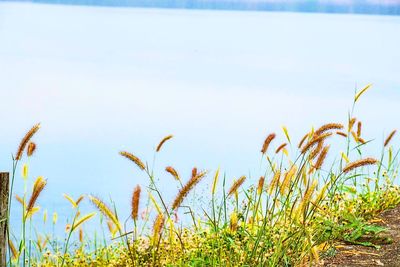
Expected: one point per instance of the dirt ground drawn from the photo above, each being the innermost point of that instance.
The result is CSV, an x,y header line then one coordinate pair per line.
x,y
387,255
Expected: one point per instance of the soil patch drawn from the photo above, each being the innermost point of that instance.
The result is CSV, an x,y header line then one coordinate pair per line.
x,y
387,255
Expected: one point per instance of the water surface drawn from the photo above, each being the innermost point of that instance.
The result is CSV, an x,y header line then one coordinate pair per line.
x,y
101,80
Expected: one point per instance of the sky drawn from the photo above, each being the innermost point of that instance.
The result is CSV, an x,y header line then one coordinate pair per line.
x,y
101,80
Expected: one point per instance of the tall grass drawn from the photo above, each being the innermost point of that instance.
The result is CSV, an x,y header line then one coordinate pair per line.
x,y
324,191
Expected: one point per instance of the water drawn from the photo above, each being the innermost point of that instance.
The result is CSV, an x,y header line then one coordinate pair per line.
x,y
101,80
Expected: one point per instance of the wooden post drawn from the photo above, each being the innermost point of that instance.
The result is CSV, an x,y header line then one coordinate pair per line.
x,y
4,195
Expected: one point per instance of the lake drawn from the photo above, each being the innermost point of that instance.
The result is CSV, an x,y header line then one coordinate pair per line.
x,y
103,79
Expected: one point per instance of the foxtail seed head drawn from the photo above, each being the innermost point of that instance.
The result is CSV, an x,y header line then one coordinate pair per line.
x,y
351,123
280,148
260,185
235,186
133,158
288,178
25,141
327,127
359,163
321,158
315,140
173,172
31,149
158,226
359,126
341,133
38,187
267,141
135,202
162,142
274,182
314,153
308,194
186,189
103,208
387,141
303,140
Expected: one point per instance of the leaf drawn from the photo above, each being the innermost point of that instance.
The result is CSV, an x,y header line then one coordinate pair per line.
x,y
285,152
33,211
70,200
155,203
362,91
285,131
82,220
214,185
346,159
350,189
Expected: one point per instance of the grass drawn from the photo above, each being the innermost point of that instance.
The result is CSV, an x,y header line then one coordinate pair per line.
x,y
293,215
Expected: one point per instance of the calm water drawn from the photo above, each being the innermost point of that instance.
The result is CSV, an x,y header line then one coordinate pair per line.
x,y
103,80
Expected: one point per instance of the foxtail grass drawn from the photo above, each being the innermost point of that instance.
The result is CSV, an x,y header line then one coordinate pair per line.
x,y
359,163
267,142
282,146
314,196
187,188
173,172
28,136
165,139
133,158
135,202
235,186
321,158
31,149
38,187
389,138
316,139
103,208
327,127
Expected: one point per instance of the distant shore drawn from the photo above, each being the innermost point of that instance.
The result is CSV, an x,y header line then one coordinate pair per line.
x,y
351,6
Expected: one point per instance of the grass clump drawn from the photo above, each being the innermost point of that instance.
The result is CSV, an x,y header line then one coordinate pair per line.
x,y
324,191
